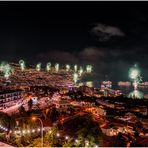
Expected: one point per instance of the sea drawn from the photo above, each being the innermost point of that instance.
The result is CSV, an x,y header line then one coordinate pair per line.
x,y
124,89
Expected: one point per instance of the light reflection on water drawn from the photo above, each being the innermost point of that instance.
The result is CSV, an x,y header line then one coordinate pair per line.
x,y
136,94
125,89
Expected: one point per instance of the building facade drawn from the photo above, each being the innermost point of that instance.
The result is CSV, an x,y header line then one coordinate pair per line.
x,y
10,98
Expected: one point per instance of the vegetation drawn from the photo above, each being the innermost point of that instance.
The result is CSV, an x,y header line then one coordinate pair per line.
x,y
22,110
30,104
4,119
53,114
82,128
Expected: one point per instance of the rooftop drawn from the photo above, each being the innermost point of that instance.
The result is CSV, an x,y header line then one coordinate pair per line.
x,y
9,91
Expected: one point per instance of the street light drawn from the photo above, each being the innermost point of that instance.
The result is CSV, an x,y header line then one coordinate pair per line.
x,y
36,118
76,140
66,137
58,135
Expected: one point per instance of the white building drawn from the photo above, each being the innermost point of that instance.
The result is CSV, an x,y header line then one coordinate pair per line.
x,y
61,104
10,98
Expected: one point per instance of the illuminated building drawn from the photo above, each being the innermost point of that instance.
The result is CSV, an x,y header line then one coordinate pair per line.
x,y
62,104
10,98
107,84
121,83
96,111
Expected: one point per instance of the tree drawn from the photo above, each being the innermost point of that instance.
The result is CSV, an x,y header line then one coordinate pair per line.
x,y
50,137
5,119
30,104
22,110
35,143
91,132
53,114
83,128
138,127
121,140
69,143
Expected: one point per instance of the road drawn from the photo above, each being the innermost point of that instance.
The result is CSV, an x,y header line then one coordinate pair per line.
x,y
12,109
75,116
5,145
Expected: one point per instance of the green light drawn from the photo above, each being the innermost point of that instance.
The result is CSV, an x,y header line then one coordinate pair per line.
x,y
22,64
38,67
48,66
56,67
75,77
134,72
136,94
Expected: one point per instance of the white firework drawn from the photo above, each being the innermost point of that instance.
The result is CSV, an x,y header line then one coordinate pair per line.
x,y
38,66
48,66
80,70
56,67
22,64
75,68
67,67
7,71
75,77
89,68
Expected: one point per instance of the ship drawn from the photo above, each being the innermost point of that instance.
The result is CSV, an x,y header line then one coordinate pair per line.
x,y
106,84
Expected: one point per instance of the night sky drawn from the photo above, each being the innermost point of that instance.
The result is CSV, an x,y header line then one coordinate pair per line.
x,y
112,36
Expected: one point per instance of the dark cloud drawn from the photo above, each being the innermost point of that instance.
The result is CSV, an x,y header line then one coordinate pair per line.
x,y
105,32
57,56
91,54
87,55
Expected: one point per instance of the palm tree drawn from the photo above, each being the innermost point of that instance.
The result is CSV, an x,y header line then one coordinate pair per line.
x,y
22,110
50,136
4,119
30,104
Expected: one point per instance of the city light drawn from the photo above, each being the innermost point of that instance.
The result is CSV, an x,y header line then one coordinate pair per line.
x,y
33,118
66,137
76,140
58,135
87,143
3,128
23,131
28,131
